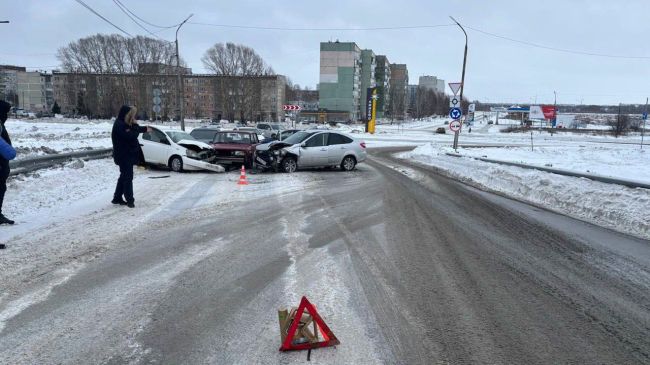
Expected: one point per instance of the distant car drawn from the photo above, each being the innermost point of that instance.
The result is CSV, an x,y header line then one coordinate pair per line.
x,y
490,122
441,130
205,134
283,134
270,130
235,147
177,150
309,149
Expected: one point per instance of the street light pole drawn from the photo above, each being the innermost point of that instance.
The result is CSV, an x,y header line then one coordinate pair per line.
x,y
181,86
645,116
462,80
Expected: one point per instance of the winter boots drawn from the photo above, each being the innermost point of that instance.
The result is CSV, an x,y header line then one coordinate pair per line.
x,y
5,220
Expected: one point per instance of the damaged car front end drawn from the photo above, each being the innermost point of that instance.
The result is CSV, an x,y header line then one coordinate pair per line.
x,y
200,155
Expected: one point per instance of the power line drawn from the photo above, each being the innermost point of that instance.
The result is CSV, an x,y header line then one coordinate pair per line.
x,y
319,29
144,21
118,4
106,20
531,44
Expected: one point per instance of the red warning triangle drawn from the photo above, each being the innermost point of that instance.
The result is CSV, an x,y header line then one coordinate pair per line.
x,y
328,337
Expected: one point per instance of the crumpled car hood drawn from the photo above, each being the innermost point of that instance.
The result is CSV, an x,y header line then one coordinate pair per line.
x,y
187,143
272,146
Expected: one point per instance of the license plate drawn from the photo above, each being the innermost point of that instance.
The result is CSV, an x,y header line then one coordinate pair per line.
x,y
260,160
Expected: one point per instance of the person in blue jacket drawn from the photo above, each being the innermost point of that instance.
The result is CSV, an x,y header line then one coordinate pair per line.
x,y
4,163
126,153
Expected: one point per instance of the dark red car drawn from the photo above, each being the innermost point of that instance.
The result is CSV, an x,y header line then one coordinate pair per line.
x,y
235,148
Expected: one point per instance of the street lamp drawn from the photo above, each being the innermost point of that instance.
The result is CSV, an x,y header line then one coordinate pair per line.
x,y
181,93
462,80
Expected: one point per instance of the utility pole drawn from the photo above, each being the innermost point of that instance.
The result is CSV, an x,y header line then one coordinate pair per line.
x,y
181,85
554,109
462,80
645,116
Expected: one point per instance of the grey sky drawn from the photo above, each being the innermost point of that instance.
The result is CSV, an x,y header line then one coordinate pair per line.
x,y
497,70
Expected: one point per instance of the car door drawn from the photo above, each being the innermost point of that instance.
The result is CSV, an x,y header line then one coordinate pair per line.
x,y
155,147
314,153
338,145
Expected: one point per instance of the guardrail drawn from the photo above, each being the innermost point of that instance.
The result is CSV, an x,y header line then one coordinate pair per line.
x,y
604,179
41,162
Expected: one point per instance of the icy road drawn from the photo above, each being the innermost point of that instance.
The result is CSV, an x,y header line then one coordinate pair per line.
x,y
405,266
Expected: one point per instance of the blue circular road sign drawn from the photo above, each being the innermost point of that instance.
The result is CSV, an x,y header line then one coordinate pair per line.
x,y
455,113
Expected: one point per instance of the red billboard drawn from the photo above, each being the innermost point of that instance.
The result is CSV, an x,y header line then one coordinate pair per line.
x,y
549,111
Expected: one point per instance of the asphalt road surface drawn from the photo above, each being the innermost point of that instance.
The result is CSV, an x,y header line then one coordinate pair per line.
x,y
406,266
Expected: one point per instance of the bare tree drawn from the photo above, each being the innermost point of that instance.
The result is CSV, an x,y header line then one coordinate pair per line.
x,y
114,53
232,59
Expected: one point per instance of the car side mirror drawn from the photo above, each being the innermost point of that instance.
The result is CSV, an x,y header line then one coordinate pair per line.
x,y
303,145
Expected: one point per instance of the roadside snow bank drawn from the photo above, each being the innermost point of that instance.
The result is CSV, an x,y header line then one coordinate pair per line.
x,y
613,206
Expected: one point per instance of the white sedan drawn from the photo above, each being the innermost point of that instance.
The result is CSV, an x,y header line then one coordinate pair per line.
x,y
178,150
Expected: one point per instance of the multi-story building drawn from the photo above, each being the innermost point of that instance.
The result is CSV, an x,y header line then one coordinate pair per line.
x,y
382,80
340,80
432,83
399,80
411,97
206,96
368,65
30,88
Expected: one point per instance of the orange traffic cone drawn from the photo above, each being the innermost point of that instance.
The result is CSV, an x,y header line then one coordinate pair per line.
x,y
242,177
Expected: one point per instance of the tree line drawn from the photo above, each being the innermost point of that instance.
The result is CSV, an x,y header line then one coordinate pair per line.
x,y
115,55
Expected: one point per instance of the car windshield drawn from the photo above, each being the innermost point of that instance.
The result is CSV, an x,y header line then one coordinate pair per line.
x,y
233,137
179,136
276,126
204,134
298,137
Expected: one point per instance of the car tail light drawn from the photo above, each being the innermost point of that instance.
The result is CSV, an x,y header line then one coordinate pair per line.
x,y
363,144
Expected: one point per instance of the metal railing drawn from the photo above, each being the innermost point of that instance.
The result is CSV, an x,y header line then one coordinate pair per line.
x,y
25,165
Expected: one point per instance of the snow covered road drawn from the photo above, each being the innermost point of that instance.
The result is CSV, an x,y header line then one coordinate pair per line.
x,y
404,265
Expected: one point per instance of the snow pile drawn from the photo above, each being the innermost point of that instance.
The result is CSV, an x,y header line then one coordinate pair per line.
x,y
617,161
56,135
617,207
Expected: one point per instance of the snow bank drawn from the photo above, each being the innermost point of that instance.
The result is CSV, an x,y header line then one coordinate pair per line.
x,y
613,206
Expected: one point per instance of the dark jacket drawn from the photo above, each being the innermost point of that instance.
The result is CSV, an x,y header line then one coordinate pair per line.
x,y
4,113
126,148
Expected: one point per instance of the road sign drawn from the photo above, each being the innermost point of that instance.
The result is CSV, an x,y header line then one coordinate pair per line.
x,y
157,108
156,92
455,87
454,102
157,100
645,116
455,125
471,108
291,107
455,113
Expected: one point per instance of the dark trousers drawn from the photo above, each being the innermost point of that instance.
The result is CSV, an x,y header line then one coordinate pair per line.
x,y
4,175
125,183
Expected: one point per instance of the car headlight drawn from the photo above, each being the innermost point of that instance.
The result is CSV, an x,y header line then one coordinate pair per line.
x,y
239,153
276,152
190,153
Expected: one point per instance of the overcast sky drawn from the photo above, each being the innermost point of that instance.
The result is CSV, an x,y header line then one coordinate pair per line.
x,y
498,70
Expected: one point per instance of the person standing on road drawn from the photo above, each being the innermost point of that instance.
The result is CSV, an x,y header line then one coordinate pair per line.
x,y
4,163
126,150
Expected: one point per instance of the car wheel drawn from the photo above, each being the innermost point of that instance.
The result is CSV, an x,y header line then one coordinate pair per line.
x,y
176,164
289,165
348,163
